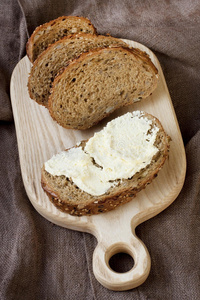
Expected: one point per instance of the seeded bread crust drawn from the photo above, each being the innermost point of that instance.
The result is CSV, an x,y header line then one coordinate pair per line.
x,y
98,82
50,32
68,198
57,56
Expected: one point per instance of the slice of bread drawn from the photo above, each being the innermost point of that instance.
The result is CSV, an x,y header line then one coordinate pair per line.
x,y
50,32
70,198
57,56
98,82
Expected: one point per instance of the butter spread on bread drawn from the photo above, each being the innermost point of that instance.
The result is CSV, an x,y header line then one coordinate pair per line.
x,y
122,148
108,169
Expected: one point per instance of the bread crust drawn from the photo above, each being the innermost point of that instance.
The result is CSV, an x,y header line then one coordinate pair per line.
x,y
31,40
116,197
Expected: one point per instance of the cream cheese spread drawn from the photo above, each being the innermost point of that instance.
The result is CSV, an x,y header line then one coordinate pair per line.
x,y
118,151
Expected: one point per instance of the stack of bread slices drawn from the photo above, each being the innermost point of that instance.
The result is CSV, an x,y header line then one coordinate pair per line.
x,y
82,77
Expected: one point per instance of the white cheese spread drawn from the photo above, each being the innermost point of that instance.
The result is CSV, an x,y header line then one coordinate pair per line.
x,y
119,150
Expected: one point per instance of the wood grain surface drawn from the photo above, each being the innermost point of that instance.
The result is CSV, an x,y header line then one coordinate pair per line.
x,y
39,137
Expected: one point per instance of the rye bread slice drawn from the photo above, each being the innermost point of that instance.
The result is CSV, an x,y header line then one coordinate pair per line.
x,y
57,56
69,198
50,32
98,82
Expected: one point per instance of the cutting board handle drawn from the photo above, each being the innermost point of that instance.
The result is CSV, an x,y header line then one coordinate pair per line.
x,y
128,243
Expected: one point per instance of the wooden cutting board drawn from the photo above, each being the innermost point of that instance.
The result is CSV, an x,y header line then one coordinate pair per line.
x,y
39,137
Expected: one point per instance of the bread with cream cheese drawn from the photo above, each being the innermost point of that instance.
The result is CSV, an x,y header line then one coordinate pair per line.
x,y
50,32
108,145
57,56
98,82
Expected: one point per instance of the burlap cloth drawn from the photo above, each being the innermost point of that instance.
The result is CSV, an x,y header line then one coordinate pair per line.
x,y
39,260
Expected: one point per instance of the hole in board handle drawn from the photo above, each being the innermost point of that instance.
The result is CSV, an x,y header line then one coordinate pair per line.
x,y
121,262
